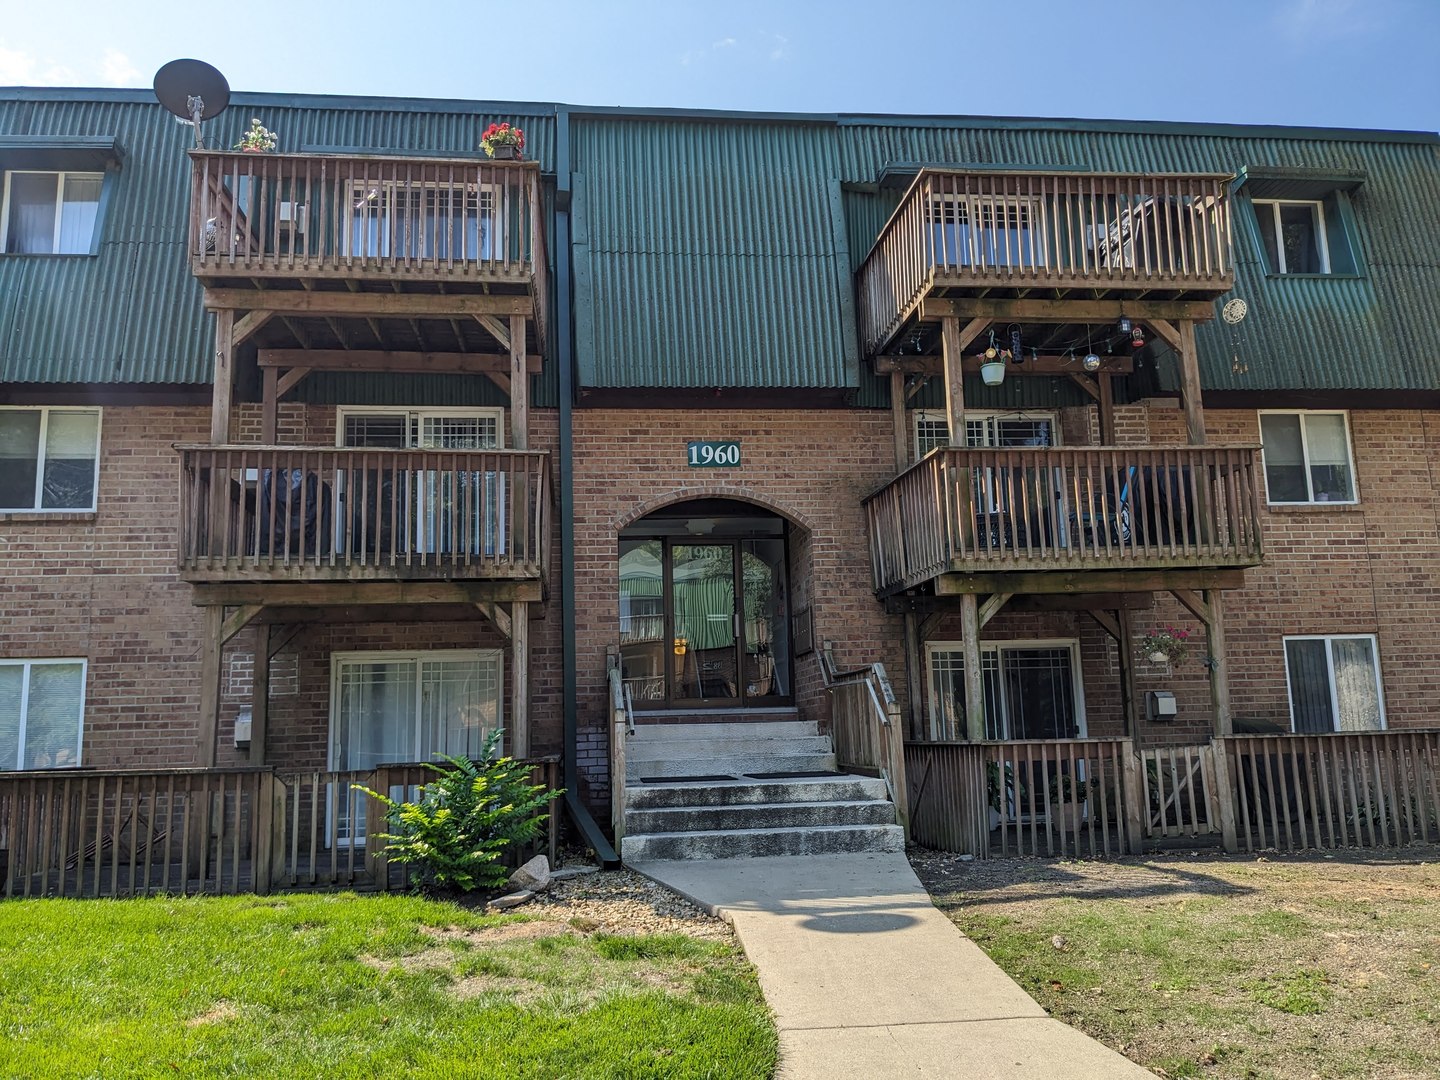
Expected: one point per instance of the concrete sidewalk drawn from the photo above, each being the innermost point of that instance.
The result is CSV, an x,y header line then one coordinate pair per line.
x,y
867,979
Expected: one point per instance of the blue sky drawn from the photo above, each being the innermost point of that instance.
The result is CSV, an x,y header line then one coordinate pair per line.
x,y
1343,63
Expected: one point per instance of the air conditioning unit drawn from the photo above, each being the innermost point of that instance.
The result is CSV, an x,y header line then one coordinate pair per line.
x,y
291,217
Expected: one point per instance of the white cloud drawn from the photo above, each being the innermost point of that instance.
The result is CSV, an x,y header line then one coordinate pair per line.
x,y
1304,21
724,43
21,68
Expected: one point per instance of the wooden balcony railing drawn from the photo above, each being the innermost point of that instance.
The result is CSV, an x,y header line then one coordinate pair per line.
x,y
1116,233
1087,508
251,512
312,216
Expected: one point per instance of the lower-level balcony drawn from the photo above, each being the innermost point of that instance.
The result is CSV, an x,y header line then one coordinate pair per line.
x,y
1008,510
292,513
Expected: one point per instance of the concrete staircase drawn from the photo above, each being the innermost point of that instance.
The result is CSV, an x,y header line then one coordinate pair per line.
x,y
733,789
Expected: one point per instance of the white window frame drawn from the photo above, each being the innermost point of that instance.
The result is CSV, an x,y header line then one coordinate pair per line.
x,y
1322,240
932,415
944,205
383,212
1077,676
1305,451
415,414
60,175
45,411
27,665
1329,640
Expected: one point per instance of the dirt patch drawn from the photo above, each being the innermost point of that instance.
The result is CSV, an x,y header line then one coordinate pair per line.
x,y
433,959
623,902
494,935
222,1011
519,991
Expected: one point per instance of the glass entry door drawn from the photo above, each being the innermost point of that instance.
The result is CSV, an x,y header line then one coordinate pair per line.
x,y
705,623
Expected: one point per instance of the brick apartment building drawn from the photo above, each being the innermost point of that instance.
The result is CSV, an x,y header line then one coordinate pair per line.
x,y
681,388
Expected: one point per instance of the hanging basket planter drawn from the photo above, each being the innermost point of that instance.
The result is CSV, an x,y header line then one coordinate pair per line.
x,y
506,152
1165,646
1158,657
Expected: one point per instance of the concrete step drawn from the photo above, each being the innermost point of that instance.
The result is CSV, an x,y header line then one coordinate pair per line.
x,y
743,792
757,843
779,729
737,765
704,747
787,815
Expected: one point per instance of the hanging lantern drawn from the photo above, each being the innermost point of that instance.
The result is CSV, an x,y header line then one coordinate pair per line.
x,y
1137,338
1124,325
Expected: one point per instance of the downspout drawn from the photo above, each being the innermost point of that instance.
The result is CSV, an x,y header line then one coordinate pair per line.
x,y
565,362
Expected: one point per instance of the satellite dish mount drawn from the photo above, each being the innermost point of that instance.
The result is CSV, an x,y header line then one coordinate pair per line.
x,y
193,91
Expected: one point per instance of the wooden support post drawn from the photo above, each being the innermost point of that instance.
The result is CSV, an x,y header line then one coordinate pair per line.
x,y
263,831
260,696
953,341
1135,811
520,679
897,416
519,386
913,676
1221,792
1107,410
1129,704
1219,667
974,677
224,377
270,407
1190,392
211,648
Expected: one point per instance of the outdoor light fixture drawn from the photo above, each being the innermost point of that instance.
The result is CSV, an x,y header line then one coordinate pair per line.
x,y
1091,362
1137,338
1124,326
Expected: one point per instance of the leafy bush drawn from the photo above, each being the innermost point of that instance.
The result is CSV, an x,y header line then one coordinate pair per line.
x,y
466,819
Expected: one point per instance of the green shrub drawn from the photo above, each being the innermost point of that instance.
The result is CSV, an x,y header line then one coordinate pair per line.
x,y
466,819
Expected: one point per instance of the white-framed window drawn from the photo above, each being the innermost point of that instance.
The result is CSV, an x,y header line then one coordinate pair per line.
x,y
1033,689
421,220
974,230
1294,234
1334,683
42,705
932,429
50,213
49,458
389,427
1307,456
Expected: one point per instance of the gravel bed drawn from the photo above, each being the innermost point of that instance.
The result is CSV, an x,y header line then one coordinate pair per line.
x,y
623,902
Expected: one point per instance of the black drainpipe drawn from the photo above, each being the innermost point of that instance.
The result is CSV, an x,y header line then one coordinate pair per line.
x,y
565,363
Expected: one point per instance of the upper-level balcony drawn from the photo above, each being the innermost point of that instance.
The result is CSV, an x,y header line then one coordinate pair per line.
x,y
376,225
1005,511
254,513
1045,236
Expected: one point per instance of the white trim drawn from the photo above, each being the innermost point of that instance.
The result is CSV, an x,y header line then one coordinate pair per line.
x,y
60,175
1305,455
1077,677
413,413
38,496
921,415
1035,229
1330,640
27,666
1322,242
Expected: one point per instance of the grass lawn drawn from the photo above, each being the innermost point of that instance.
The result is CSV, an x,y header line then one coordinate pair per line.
x,y
362,986
1213,966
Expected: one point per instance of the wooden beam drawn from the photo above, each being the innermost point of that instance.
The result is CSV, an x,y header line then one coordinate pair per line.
x,y
299,617
260,698
497,330
913,677
1107,408
270,407
1218,664
992,606
974,681
238,620
283,635
384,360
1194,603
331,594
1190,392
1108,622
935,608
520,677
1065,311
1165,330
291,379
223,378
1031,365
210,652
1085,383
519,386
246,327
1129,700
502,381
1087,581
497,614
898,421
382,305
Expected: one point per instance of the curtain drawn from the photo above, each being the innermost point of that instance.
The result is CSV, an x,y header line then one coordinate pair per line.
x,y
72,443
459,705
32,214
19,457
77,215
12,692
52,716
1356,685
1310,702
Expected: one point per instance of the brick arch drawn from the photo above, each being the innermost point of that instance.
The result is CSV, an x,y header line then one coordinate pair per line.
x,y
711,491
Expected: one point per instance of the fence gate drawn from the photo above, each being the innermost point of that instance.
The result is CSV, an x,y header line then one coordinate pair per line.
x,y
1180,791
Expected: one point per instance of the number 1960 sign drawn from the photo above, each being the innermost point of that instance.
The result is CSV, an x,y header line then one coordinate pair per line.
x,y
702,455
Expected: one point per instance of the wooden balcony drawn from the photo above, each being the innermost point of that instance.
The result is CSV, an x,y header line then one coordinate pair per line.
x,y
1007,511
376,225
1010,235
252,513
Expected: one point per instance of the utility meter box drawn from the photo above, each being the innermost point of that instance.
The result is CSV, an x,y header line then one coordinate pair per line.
x,y
242,729
1159,706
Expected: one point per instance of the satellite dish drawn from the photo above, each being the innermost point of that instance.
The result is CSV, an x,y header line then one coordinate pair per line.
x,y
193,91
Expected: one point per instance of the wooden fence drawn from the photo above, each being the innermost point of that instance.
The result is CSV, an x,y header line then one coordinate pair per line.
x,y
1089,797
191,831
866,728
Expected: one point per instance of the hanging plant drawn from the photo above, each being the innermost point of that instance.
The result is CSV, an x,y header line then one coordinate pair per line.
x,y
1165,646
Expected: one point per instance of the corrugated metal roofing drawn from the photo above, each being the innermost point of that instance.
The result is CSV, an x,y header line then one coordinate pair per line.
x,y
710,254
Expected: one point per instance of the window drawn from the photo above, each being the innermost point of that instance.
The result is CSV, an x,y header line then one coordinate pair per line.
x,y
1334,684
41,703
986,231
1032,690
50,213
932,430
49,458
425,221
1294,235
1307,457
